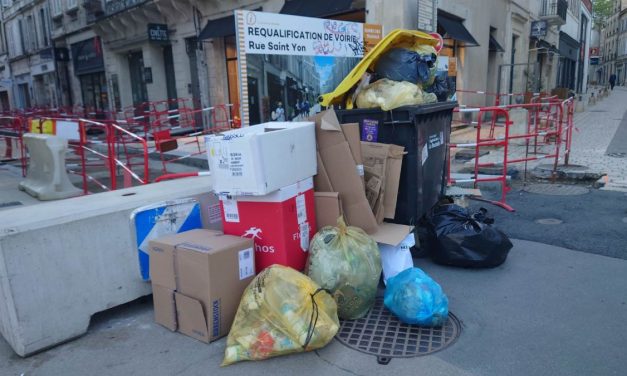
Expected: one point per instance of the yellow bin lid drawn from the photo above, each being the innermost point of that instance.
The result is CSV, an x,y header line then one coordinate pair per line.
x,y
394,38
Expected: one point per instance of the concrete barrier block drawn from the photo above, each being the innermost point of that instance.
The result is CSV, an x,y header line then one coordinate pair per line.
x,y
46,178
63,261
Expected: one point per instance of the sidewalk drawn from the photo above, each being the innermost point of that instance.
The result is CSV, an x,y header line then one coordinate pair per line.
x,y
546,311
595,128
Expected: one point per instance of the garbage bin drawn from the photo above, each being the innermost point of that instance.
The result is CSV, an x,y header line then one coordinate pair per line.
x,y
424,131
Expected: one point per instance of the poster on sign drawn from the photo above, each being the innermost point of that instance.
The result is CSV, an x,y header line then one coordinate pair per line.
x,y
286,62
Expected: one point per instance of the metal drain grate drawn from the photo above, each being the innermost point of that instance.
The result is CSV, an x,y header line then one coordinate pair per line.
x,y
381,334
617,155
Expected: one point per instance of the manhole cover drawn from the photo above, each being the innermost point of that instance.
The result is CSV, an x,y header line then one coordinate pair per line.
x,y
8,204
549,221
381,334
556,189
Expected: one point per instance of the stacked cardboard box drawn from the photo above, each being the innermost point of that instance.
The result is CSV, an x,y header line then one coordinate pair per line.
x,y
263,175
198,278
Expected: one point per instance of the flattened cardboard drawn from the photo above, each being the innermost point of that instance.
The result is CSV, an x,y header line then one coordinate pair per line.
x,y
337,161
382,166
391,234
191,317
328,208
351,132
392,180
340,166
165,307
321,180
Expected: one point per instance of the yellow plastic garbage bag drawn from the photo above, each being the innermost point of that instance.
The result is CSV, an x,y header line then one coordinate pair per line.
x,y
346,261
396,38
281,312
389,95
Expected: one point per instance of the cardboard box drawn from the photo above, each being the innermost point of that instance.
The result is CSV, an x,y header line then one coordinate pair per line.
x,y
382,166
328,208
198,278
260,159
341,169
281,223
351,132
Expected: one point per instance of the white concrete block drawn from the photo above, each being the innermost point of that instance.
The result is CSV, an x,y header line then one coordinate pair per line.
x,y
63,261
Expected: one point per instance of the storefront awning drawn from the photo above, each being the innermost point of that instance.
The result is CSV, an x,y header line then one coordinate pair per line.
x,y
316,8
455,29
218,28
495,46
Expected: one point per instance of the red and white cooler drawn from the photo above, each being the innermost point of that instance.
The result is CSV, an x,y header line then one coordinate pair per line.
x,y
281,223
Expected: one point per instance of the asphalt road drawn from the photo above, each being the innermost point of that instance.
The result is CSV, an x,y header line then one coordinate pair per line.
x,y
595,222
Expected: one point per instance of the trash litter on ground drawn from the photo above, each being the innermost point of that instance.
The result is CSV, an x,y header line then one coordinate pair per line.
x,y
281,312
415,298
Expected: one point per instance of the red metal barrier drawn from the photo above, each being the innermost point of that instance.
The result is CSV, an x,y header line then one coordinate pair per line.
x,y
545,126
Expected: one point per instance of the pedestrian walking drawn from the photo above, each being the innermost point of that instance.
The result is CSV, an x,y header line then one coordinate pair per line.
x,y
279,113
305,107
612,80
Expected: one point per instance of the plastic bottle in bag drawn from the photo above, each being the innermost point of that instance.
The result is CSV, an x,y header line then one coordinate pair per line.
x,y
281,312
346,261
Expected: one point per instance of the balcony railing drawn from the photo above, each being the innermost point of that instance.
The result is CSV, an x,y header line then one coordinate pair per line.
x,y
554,11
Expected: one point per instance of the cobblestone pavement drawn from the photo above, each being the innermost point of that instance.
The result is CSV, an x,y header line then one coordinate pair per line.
x,y
596,127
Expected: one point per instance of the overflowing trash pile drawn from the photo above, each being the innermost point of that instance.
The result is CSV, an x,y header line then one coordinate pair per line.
x,y
312,227
400,71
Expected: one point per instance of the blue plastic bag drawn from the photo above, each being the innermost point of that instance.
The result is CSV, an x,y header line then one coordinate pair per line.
x,y
415,298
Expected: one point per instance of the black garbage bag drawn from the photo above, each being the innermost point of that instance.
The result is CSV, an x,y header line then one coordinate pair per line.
x,y
440,88
401,64
461,238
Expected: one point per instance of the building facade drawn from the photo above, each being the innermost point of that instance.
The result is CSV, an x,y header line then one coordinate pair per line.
x,y
114,56
30,54
612,43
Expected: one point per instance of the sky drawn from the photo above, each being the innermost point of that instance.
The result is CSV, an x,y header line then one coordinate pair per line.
x,y
324,65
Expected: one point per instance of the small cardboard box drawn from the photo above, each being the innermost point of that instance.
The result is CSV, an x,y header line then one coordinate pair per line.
x,y
281,223
198,278
260,159
328,208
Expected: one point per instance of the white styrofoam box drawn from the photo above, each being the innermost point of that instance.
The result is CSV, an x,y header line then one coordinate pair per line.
x,y
262,158
396,259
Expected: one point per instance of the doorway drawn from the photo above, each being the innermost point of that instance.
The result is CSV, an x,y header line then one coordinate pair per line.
x,y
138,82
24,95
94,91
170,79
253,101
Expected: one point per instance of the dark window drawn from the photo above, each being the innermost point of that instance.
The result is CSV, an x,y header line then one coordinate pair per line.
x,y
44,28
21,29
